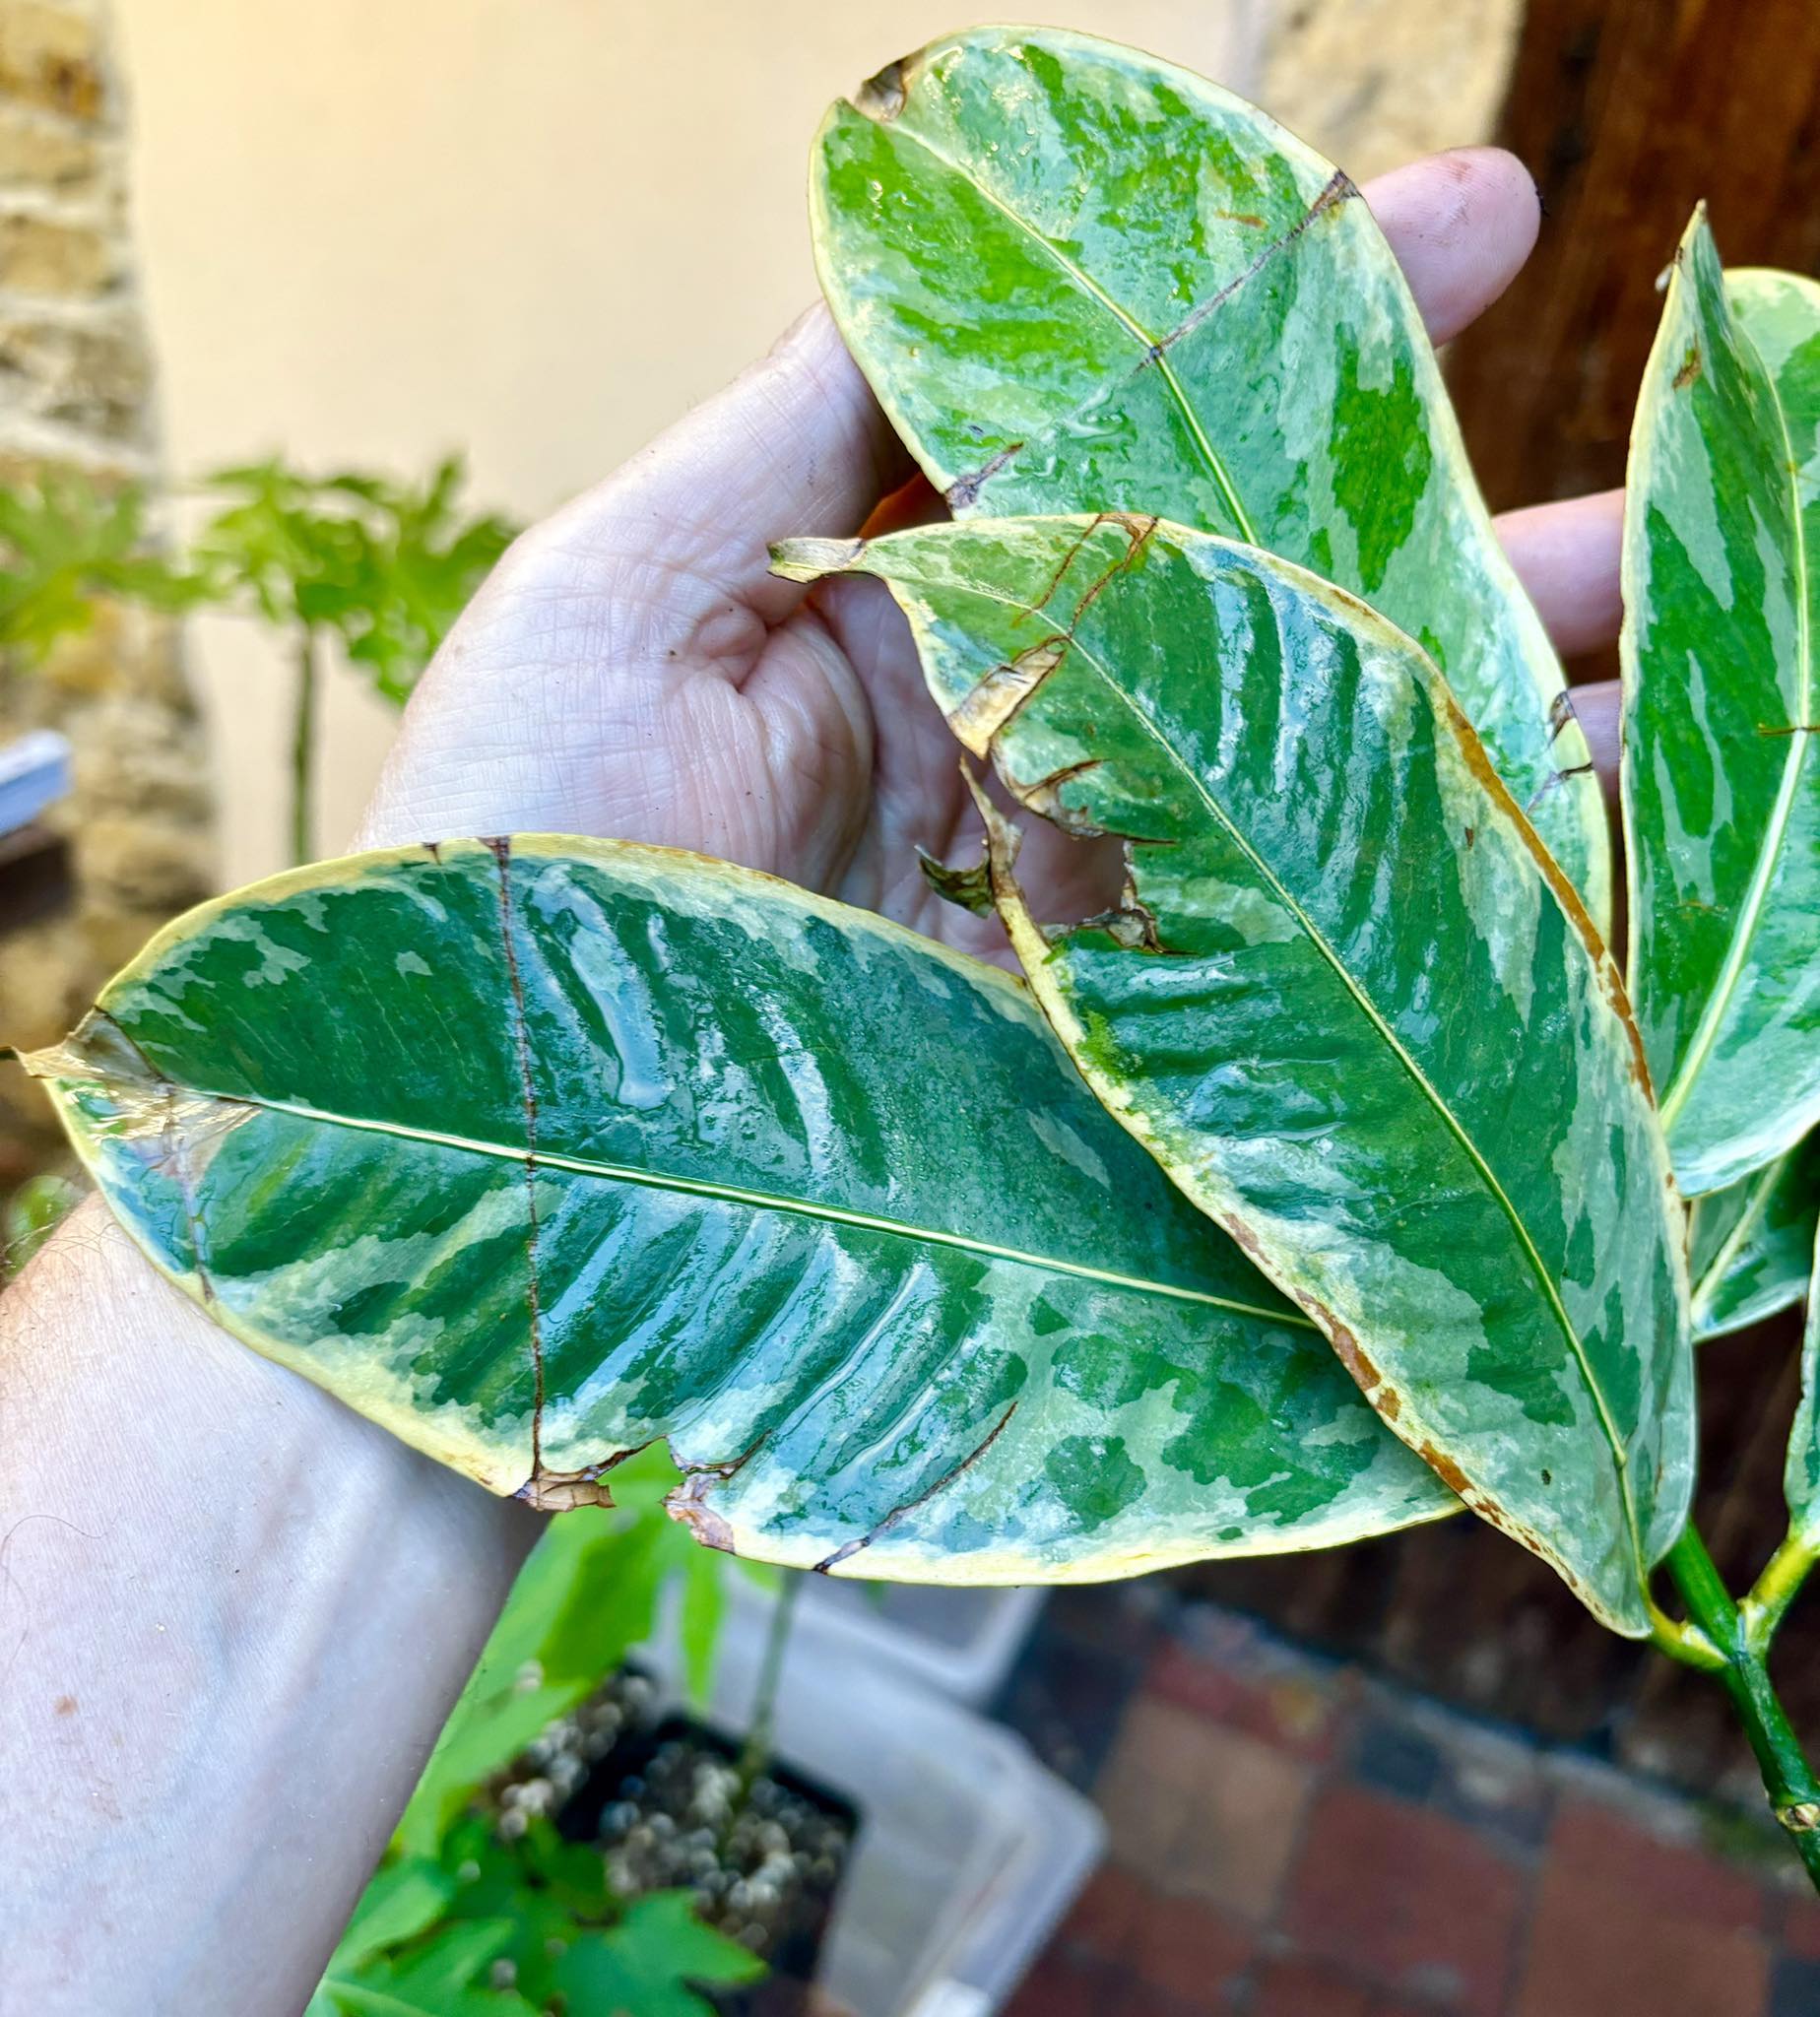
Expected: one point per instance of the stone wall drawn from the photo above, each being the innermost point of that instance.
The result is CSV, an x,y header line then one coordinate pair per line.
x,y
1374,82
76,392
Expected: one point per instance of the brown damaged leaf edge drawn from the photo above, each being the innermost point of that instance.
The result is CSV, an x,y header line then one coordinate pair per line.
x,y
1339,188
1611,982
561,1491
968,890
1003,842
991,705
864,1541
887,92
1383,1398
150,1112
501,848
687,1504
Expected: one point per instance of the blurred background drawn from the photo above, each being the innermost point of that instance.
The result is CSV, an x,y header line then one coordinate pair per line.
x,y
353,241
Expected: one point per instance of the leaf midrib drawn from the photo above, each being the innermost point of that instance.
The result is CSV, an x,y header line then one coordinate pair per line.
x,y
1550,1290
1088,285
1776,832
734,1194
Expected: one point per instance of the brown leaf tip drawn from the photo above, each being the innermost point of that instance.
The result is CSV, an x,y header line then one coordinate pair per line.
x,y
969,888
885,94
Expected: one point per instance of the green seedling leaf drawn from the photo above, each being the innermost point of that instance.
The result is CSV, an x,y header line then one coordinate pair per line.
x,y
646,1962
438,1977
1347,1001
397,1959
1722,774
68,544
1752,1243
588,1594
537,1151
403,1899
30,1215
1079,280
388,566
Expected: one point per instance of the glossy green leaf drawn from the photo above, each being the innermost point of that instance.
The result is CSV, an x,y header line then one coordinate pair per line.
x,y
1081,280
1348,1002
1801,1476
1752,1244
536,1152
1721,778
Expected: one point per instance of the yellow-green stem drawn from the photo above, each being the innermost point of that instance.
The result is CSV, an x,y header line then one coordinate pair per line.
x,y
1774,1590
1788,1777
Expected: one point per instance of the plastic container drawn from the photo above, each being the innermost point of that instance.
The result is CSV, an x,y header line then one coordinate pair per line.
x,y
963,1643
34,773
969,1852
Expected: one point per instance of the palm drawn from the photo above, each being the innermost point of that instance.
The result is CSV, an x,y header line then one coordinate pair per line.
x,y
634,670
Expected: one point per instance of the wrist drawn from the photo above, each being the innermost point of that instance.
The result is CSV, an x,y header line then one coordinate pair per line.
x,y
236,1615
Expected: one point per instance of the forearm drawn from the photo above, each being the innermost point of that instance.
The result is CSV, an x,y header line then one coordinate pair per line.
x,y
233,1619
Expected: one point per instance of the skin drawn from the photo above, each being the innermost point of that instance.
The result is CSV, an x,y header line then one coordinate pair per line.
x,y
232,1614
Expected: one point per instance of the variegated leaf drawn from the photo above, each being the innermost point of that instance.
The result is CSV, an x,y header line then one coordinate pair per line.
x,y
1721,775
536,1152
1348,1002
1752,1243
1801,1474
1079,278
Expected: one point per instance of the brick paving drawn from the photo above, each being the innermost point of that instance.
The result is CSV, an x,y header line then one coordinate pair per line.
x,y
1291,1837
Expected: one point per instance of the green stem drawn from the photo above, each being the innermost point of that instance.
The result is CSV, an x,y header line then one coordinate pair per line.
x,y
1788,1779
762,1731
1774,1590
304,745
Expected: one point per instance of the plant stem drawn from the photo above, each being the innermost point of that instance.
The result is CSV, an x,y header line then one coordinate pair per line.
x,y
304,745
763,1729
1774,1590
1788,1779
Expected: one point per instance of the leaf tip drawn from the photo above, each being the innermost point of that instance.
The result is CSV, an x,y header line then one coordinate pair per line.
x,y
811,560
887,92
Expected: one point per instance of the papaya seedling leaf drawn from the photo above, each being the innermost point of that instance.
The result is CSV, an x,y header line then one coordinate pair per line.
x,y
1752,1244
1721,772
537,1151
649,1959
1348,1002
1079,278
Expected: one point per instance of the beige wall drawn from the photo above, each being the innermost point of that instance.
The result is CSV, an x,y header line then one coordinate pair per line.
x,y
536,228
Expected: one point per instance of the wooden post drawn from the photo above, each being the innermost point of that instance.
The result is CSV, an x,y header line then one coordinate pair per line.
x,y
1627,112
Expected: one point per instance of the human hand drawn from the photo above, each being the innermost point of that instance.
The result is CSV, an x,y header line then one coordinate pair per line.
x,y
234,1613
633,669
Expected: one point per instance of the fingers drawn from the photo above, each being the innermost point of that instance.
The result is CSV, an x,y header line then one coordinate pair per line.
x,y
1566,555
1597,706
1462,225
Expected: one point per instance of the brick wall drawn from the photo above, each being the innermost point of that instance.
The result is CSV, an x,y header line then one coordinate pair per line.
x,y
75,387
